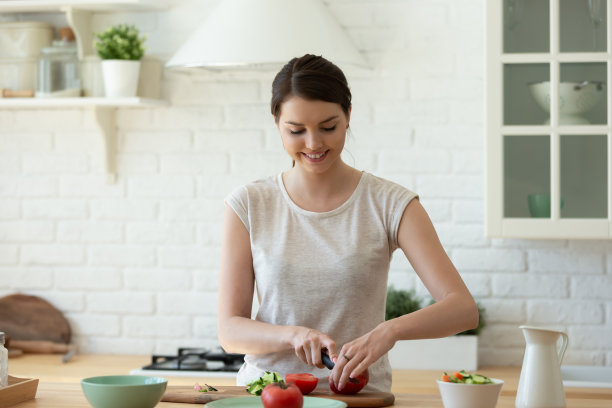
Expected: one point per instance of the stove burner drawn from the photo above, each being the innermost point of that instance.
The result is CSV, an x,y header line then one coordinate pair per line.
x,y
197,359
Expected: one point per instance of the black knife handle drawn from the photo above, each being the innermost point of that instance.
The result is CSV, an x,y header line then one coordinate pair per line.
x,y
326,360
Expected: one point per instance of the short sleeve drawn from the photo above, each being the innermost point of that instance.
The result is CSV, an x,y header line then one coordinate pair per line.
x,y
399,197
238,201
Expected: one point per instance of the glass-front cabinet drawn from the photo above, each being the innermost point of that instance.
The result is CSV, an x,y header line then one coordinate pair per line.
x,y
549,115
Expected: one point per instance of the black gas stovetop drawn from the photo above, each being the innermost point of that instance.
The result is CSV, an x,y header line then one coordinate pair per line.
x,y
197,359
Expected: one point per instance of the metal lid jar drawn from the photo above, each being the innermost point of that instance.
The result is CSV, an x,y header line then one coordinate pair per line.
x,y
59,70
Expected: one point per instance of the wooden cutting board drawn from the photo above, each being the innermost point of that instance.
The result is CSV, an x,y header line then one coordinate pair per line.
x,y
189,395
26,317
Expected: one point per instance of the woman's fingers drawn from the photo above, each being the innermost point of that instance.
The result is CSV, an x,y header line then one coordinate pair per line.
x,y
332,350
344,366
308,348
356,356
352,361
311,343
299,351
329,347
315,353
312,347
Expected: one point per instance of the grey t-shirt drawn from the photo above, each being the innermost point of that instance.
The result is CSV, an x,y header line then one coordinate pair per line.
x,y
323,270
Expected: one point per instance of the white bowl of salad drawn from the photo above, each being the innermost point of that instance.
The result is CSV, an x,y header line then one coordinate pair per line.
x,y
465,390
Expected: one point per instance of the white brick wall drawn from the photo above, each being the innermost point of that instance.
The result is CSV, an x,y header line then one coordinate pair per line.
x,y
134,264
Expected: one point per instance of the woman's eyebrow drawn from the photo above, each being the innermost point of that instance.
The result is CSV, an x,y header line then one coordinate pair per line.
x,y
301,124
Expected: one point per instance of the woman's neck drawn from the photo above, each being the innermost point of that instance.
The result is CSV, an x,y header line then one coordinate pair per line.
x,y
321,191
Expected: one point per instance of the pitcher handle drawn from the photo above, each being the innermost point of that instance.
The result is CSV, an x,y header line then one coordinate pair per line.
x,y
563,346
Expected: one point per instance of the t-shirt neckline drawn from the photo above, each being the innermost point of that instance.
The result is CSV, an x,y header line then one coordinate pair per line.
x,y
336,210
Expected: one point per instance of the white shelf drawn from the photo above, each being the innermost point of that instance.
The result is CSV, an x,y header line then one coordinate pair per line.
x,y
36,103
35,6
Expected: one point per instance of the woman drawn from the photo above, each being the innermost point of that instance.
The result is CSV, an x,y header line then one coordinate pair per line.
x,y
317,242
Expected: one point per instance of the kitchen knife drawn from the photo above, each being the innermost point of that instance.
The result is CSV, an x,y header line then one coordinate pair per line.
x,y
326,360
66,357
46,347
41,346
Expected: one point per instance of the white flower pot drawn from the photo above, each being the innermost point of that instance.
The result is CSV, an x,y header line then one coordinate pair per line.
x,y
447,353
120,78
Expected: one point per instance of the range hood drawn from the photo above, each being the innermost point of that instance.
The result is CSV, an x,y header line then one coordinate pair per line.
x,y
265,34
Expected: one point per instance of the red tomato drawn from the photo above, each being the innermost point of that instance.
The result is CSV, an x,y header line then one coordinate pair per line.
x,y
353,386
306,382
282,395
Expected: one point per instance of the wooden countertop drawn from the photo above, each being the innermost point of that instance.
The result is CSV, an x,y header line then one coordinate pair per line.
x,y
59,385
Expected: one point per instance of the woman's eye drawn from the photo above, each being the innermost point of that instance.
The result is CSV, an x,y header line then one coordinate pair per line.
x,y
300,131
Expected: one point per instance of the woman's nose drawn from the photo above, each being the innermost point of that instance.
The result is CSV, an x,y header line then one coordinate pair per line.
x,y
313,141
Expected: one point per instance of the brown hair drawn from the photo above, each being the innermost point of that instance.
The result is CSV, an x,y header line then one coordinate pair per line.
x,y
310,77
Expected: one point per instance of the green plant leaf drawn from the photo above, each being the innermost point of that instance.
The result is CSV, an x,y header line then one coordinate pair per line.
x,y
120,42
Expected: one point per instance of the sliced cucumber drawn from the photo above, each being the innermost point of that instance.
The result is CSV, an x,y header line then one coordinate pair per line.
x,y
469,378
256,386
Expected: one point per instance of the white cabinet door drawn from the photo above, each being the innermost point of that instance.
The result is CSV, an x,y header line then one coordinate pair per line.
x,y
549,115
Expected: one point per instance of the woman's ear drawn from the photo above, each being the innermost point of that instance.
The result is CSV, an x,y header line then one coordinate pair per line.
x,y
348,116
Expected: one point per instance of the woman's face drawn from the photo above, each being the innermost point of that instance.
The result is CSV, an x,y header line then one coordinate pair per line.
x,y
313,132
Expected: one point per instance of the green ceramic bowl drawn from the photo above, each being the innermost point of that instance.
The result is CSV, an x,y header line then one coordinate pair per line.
x,y
539,205
124,391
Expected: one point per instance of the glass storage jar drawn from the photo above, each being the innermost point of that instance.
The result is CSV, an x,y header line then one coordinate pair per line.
x,y
59,70
3,362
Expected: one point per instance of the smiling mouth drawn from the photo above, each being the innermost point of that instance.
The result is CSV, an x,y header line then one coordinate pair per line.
x,y
315,157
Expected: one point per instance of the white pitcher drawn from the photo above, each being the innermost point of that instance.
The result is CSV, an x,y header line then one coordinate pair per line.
x,y
540,385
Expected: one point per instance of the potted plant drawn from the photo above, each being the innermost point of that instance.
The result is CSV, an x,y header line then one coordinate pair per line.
x,y
454,352
120,47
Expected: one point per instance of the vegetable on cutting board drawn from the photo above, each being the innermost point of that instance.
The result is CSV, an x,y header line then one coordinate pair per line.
x,y
353,385
306,382
206,388
463,377
255,387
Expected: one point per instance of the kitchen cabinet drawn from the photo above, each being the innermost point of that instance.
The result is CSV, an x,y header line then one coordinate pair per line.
x,y
79,16
549,119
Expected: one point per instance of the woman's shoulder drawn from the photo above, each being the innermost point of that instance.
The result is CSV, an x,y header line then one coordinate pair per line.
x,y
389,199
266,184
383,187
260,187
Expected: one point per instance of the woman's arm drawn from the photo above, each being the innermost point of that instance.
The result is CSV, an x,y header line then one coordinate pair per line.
x,y
237,332
453,312
455,309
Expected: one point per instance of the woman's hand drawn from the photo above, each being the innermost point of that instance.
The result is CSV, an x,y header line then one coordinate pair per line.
x,y
308,344
356,356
